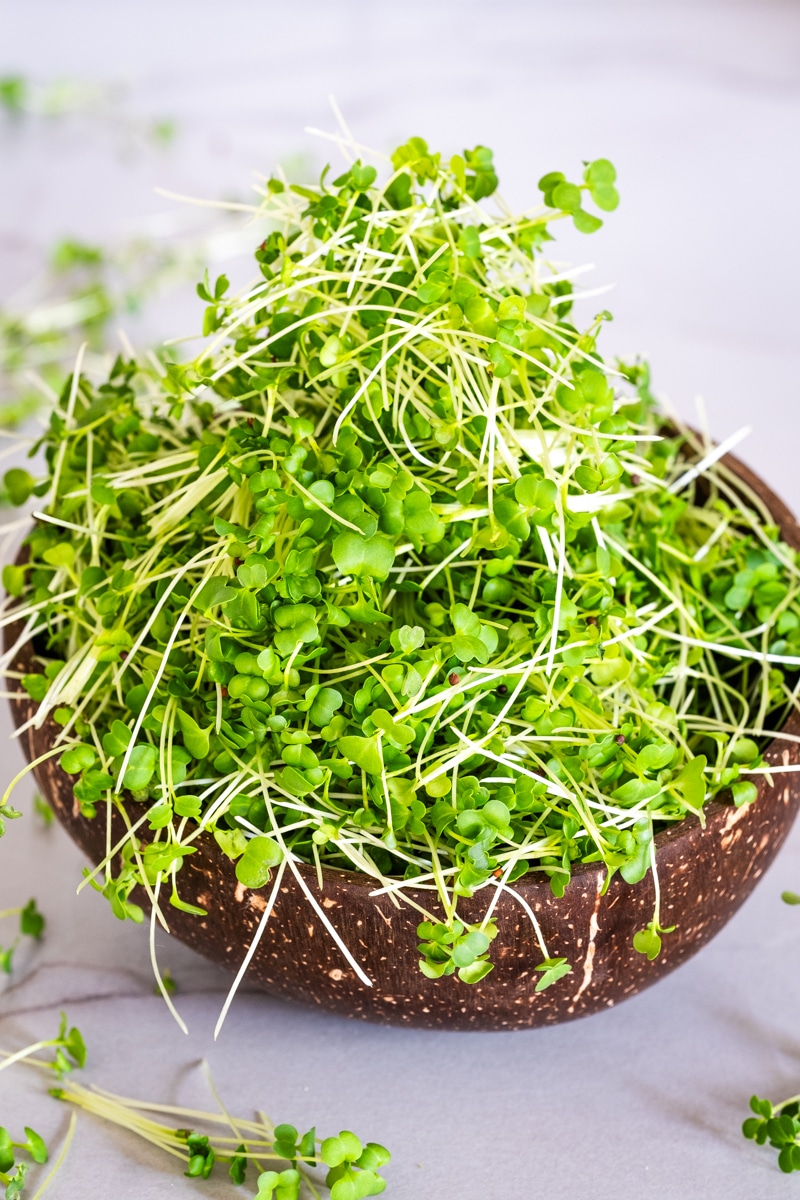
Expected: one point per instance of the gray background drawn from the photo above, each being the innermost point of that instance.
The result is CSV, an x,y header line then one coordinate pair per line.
x,y
698,106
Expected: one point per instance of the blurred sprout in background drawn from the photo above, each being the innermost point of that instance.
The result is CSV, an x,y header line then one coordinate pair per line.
x,y
82,292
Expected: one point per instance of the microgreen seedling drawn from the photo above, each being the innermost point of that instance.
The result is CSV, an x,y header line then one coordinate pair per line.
x,y
31,924
69,1046
14,1173
43,811
778,1125
70,1053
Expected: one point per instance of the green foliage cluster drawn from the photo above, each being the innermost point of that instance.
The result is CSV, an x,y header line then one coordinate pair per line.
x,y
70,1049
352,1166
398,573
778,1125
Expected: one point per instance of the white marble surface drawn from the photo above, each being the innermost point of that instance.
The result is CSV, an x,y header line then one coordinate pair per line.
x,y
698,105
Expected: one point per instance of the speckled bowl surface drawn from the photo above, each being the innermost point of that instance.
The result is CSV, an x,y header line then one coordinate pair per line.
x,y
705,873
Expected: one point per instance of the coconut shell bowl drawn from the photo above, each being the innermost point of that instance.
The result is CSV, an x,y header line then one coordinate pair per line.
x,y
705,871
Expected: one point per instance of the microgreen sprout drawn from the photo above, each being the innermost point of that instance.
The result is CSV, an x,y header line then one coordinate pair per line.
x,y
31,924
7,813
14,1172
69,1046
398,573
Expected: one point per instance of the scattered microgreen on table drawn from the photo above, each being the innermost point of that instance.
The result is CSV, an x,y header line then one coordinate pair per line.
x,y
13,1169
70,1054
247,1150
31,924
778,1125
69,1046
81,295
398,574
43,811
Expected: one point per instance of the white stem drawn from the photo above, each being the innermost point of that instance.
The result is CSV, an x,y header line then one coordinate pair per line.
x,y
240,974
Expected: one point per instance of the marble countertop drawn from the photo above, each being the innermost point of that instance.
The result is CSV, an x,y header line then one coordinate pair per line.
x,y
699,106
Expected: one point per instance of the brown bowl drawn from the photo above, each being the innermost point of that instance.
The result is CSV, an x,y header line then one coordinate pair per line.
x,y
705,875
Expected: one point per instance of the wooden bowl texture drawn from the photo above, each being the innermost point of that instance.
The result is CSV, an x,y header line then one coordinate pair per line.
x,y
705,874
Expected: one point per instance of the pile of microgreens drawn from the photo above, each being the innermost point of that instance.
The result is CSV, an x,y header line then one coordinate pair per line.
x,y
352,1166
398,574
